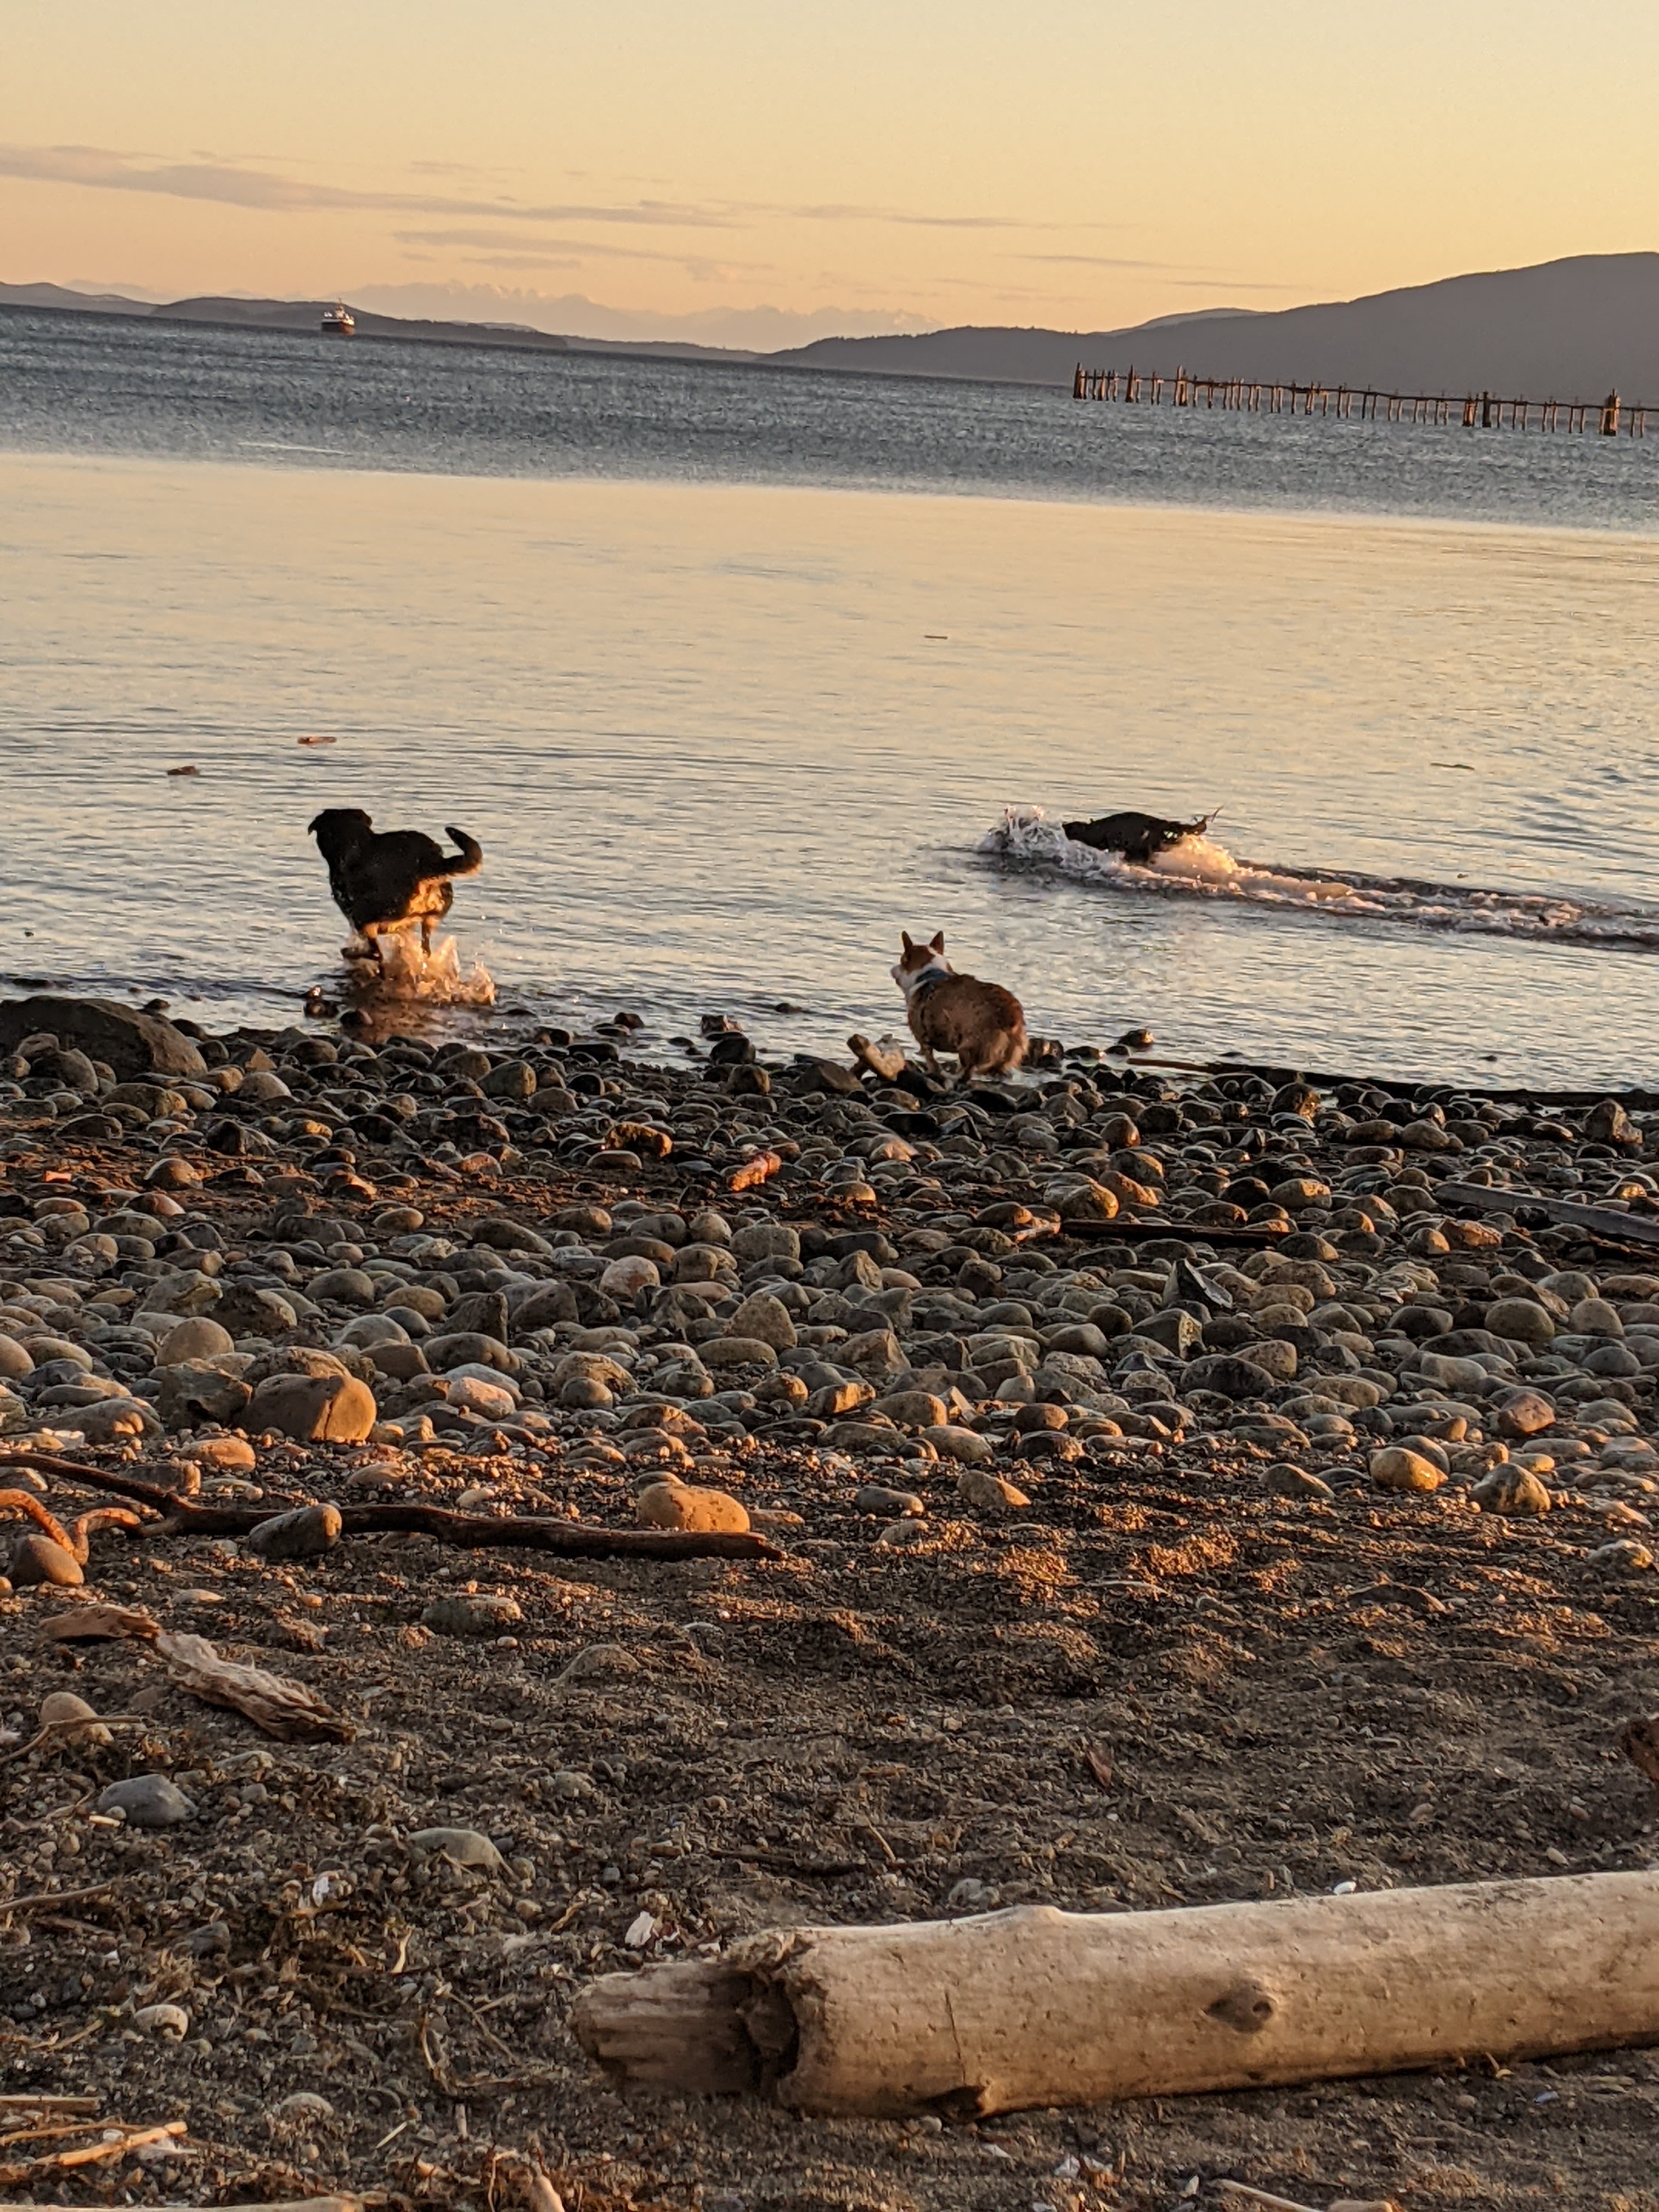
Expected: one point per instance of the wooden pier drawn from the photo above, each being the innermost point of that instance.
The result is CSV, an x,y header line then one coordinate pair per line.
x,y
1483,410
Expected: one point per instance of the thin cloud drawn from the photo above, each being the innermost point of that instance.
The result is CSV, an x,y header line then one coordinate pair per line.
x,y
234,183
487,245
234,186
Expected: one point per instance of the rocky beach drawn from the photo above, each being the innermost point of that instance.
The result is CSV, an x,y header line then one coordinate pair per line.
x,y
486,1512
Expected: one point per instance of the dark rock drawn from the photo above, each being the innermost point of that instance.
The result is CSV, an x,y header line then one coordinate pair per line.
x,y
131,1043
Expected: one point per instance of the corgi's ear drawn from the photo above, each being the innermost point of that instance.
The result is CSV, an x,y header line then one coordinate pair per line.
x,y
909,946
937,945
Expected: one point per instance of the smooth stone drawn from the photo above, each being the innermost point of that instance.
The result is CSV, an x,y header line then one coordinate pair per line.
x,y
39,1560
468,1395
169,2020
990,1493
1395,1468
1523,1320
913,1409
343,1286
196,1338
149,1800
625,1279
765,1316
1524,1413
966,1446
470,1613
1287,1480
226,1454
302,1533
672,1504
1515,1492
1596,1317
469,1348
890,1505
337,1409
75,1719
736,1351
15,1364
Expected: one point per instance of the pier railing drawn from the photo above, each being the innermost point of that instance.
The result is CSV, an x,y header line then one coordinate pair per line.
x,y
1483,410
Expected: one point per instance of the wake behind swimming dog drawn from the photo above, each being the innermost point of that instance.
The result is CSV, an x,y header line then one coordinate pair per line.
x,y
982,1024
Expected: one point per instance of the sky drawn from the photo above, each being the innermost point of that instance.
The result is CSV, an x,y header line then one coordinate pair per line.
x,y
762,171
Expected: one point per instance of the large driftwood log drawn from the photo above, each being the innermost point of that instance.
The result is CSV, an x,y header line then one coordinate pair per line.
x,y
1034,2006
567,1540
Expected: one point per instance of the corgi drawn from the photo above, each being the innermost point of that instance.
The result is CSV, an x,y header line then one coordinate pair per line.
x,y
980,1023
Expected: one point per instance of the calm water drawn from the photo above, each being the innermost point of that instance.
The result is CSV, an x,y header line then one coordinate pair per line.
x,y
732,671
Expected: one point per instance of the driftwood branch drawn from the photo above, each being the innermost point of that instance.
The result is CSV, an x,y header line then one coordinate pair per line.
x,y
1604,1221
568,1540
1034,2006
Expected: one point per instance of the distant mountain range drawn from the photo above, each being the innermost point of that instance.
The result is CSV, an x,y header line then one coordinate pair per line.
x,y
1572,329
305,316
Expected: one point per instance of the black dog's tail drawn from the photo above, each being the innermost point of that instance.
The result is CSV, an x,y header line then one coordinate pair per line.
x,y
469,861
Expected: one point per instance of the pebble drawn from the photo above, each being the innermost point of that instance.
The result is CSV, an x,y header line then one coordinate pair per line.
x,y
302,1533
463,1847
149,1800
77,1720
469,1613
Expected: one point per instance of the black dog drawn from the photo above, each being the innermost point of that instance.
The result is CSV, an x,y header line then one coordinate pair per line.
x,y
1137,837
383,879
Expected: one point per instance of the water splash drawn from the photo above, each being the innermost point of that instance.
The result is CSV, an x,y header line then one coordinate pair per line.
x,y
407,975
1200,867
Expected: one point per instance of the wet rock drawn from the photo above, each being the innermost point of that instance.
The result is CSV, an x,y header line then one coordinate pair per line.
x,y
303,1534
148,1800
313,1409
133,1044
471,1613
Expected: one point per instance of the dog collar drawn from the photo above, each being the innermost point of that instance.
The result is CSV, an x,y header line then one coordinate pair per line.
x,y
925,976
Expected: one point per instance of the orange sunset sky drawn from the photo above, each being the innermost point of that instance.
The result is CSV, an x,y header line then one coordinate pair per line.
x,y
761,173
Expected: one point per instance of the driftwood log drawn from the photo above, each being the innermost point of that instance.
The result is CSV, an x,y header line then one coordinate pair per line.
x,y
1034,2006
567,1540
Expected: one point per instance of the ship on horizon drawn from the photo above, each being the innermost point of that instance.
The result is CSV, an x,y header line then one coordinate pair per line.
x,y
339,321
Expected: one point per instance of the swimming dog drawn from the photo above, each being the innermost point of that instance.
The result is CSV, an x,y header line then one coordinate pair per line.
x,y
980,1023
1137,837
382,879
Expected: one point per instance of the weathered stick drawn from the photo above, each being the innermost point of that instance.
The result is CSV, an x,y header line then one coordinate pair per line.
x,y
1034,2006
570,1540
1598,1220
